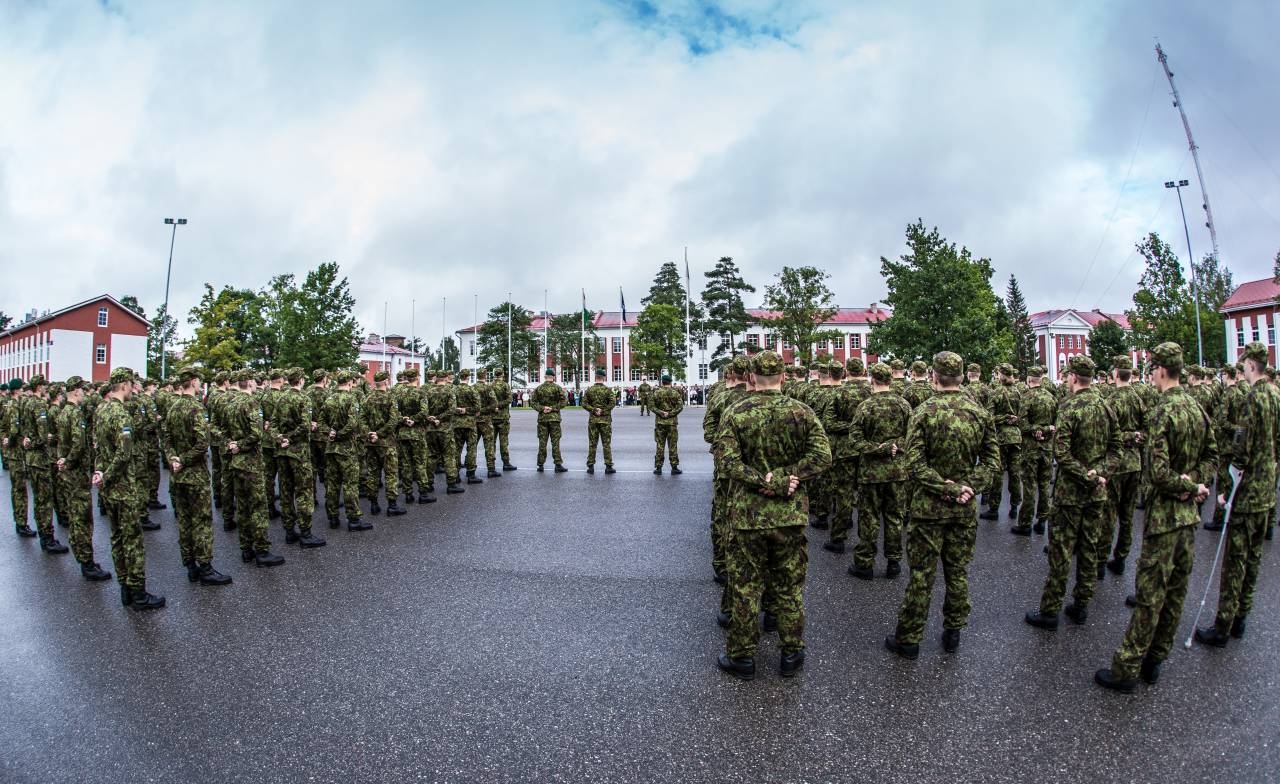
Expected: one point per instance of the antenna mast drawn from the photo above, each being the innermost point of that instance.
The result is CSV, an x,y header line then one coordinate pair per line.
x,y
1195,155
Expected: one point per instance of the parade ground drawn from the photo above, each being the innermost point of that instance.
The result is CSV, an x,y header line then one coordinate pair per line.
x,y
548,627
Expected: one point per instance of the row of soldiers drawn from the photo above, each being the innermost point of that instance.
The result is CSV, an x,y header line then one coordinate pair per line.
x,y
59,440
923,452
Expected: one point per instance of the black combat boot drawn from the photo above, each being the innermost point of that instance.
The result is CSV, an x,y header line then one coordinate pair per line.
x,y
722,620
308,540
1021,530
721,578
675,471
394,509
454,490
1013,513
1131,600
990,514
247,556
1150,672
228,524
862,572
126,595
1116,565
267,558
333,521
193,571
1039,527
904,649
408,497
833,547
508,467
769,623
25,531
656,471
53,546
1238,627
273,513
148,524
146,601
608,469
472,479
1077,612
950,640
374,507
1107,680
94,573
1102,571
743,668
291,535
820,522
561,469
210,576
155,505
540,468
1042,620
358,524
792,663
492,474
1210,635
892,570
426,498
591,469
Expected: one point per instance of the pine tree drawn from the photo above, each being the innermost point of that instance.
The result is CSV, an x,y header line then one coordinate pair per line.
x,y
1106,341
726,313
1162,307
799,303
491,341
657,342
1024,336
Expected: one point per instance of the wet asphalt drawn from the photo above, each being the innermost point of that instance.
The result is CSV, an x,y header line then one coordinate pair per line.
x,y
548,627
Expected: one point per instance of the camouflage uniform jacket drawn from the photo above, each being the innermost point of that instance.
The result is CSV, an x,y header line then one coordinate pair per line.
x,y
1039,413
293,418
1255,444
188,427
1131,419
768,433
73,440
839,406
465,397
1005,405
342,415
114,449
599,396
668,401
502,393
242,423
410,403
488,410
548,395
1088,439
381,416
951,441
37,426
861,389
1229,413
1179,442
716,407
918,392
880,421
317,393
440,404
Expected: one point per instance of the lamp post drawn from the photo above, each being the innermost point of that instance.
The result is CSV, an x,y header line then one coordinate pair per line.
x,y
175,223
1195,291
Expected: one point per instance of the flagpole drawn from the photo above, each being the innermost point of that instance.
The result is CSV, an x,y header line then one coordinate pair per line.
x,y
384,334
622,347
546,352
413,329
688,349
510,364
582,340
475,330
444,309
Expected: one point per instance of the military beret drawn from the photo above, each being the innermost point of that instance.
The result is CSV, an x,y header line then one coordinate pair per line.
x,y
1005,369
186,374
1081,365
882,373
549,372
35,381
1255,351
666,378
767,363
918,369
741,365
1167,355
948,363
855,366
121,375
319,374
974,367
15,384
1122,362
381,375
600,372
898,364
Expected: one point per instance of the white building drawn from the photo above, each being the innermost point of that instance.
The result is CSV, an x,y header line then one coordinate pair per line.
x,y
88,339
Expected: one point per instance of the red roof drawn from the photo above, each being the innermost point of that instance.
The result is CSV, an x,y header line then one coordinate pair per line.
x,y
608,319
1091,317
1252,294
379,348
47,316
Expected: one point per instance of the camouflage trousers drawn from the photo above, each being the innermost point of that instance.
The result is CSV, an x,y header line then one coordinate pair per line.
x,y
40,477
950,540
1117,525
502,434
1164,567
602,433
228,489
271,469
666,437
342,484
1009,466
1074,533
152,473
719,525
317,460
18,489
413,463
193,507
382,465
879,500
1037,473
297,491
1241,557
72,486
839,485
442,450
215,460
250,499
128,554
773,560
549,431
469,438
487,437
1223,486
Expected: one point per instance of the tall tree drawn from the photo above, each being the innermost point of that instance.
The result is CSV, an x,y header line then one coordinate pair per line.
x,y
451,358
1107,340
317,329
726,312
1275,269
491,342
669,289
564,339
1162,306
657,342
131,302
5,320
799,302
1214,284
942,299
162,331
221,330
1024,337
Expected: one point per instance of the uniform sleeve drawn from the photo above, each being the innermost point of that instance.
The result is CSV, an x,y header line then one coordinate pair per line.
x,y
1163,478
112,461
1116,439
192,419
1068,465
354,425
817,453
249,434
924,475
984,473
731,461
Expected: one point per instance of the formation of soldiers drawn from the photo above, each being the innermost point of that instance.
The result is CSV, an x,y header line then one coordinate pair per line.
x,y
931,455
253,446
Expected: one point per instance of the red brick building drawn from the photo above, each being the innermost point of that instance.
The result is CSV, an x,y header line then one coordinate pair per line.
x,y
1062,334
1250,314
88,339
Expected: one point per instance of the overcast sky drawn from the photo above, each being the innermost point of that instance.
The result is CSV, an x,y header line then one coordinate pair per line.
x,y
448,150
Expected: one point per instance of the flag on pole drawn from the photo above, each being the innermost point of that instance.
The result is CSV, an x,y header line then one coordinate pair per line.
x,y
623,301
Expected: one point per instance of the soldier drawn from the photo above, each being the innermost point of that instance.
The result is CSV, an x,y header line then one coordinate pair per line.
x,y
294,424
1039,415
1005,405
37,433
919,390
1230,410
666,404
382,419
644,392
814,392
599,401
244,431
1087,448
548,399
878,435
467,408
1122,485
269,399
73,467
856,378
115,475
735,380
11,429
442,447
1255,444
899,370
186,426
973,385
502,419
317,392
411,437
1181,455
149,418
344,428
768,513
951,450
484,425
211,404
840,481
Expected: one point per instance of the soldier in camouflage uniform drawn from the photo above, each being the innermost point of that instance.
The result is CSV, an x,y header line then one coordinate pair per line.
x,y
10,429
484,425
411,437
878,436
294,424
1005,405
467,408
1039,415
1087,447
547,400
768,513
666,405
840,482
342,422
1123,484
1180,459
856,378
919,390
1230,410
899,383
599,402
951,451
644,392
735,387
187,440
36,433
317,392
502,419
382,454
269,398
1254,445
115,475
442,447
244,431
73,466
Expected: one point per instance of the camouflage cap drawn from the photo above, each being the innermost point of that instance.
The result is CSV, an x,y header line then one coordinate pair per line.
x,y
1005,369
1122,362
1035,371
898,364
1255,351
75,382
1167,355
36,381
409,373
347,376
187,374
948,363
881,373
220,377
1230,371
294,374
919,369
381,375
767,363
815,365
1081,365
319,374
740,366
275,374
855,366
835,369
121,375
974,367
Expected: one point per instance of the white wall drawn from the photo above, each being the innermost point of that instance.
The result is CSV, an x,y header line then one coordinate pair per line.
x,y
72,354
129,351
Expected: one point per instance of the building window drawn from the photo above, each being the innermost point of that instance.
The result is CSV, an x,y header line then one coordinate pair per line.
x,y
855,341
1271,336
102,317
753,339
838,343
100,354
767,341
617,348
1240,338
822,344
566,375
617,374
471,348
724,341
1256,335
702,372
702,343
786,344
635,374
